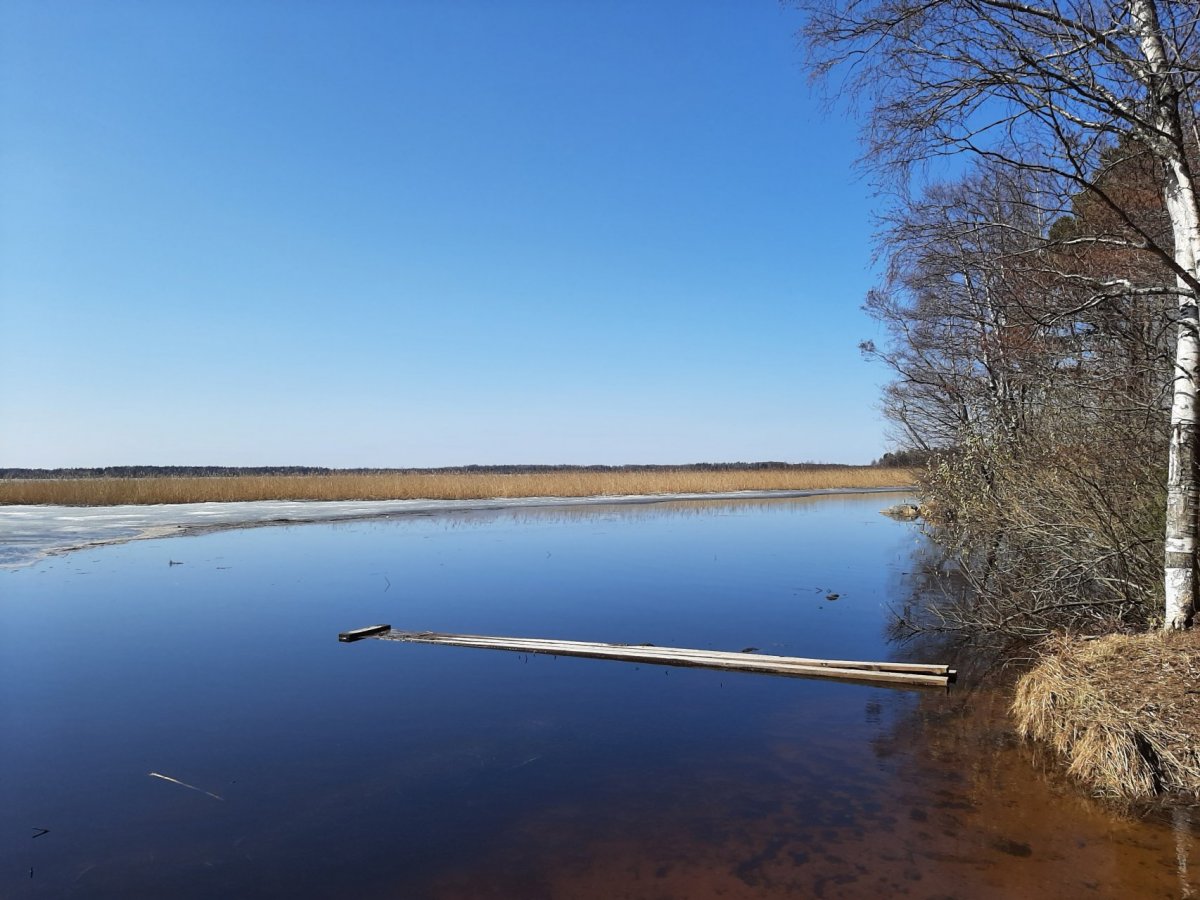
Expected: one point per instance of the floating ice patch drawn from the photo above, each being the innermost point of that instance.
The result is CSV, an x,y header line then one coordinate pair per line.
x,y
29,533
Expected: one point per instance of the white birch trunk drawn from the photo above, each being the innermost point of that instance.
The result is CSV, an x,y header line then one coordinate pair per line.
x,y
1179,194
1179,581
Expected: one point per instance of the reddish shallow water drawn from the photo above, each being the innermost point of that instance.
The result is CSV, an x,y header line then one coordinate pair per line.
x,y
968,812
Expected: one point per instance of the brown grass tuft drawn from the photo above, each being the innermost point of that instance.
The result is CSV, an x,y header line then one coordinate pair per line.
x,y
439,486
1123,710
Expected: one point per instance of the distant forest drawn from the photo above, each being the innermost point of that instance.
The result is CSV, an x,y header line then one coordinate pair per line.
x,y
231,471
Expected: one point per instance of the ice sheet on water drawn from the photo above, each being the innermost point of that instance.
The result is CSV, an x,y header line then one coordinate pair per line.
x,y
28,533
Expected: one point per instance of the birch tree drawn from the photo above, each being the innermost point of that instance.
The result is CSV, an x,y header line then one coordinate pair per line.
x,y
1056,87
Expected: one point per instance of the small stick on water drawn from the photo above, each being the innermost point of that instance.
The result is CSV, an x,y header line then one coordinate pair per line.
x,y
41,831
525,762
184,784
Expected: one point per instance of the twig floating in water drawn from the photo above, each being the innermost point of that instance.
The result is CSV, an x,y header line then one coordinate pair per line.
x,y
184,784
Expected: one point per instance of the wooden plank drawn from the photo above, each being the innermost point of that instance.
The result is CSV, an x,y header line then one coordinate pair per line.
x,y
547,645
894,673
359,633
682,657
716,656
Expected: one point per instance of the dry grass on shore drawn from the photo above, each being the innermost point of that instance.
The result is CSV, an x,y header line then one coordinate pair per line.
x,y
1122,710
437,486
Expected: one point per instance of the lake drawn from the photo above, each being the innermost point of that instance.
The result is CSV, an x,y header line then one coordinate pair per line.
x,y
296,766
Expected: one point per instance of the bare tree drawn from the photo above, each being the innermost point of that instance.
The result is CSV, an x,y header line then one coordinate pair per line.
x,y
1050,408
1054,87
960,269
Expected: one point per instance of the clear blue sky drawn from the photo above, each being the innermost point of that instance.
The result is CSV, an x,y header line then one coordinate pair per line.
x,y
426,233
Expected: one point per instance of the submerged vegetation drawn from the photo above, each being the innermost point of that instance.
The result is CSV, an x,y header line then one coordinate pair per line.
x,y
448,484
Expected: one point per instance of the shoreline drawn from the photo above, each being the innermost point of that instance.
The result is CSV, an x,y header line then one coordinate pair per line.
x,y
31,533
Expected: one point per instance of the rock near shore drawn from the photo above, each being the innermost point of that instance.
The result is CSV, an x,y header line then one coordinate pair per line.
x,y
905,512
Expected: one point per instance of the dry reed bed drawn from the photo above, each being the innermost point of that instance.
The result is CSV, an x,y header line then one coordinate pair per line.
x,y
437,486
1123,711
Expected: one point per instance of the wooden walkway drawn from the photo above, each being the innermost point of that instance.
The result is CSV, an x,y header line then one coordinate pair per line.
x,y
918,674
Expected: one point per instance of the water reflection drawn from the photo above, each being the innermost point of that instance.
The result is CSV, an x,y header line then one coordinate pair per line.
x,y
386,770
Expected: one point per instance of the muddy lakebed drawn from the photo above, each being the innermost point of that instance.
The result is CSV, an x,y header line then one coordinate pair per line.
x,y
177,718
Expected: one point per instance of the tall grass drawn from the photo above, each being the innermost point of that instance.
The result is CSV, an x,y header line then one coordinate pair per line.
x,y
1121,710
438,486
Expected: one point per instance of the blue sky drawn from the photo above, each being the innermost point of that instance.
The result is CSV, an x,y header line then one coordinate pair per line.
x,y
426,233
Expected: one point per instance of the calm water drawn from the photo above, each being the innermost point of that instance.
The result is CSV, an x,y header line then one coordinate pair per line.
x,y
379,769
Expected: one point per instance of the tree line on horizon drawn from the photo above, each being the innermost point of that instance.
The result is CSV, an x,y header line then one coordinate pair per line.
x,y
14,473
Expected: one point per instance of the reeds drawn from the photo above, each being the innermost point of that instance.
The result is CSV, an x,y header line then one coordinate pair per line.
x,y
1120,709
440,485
